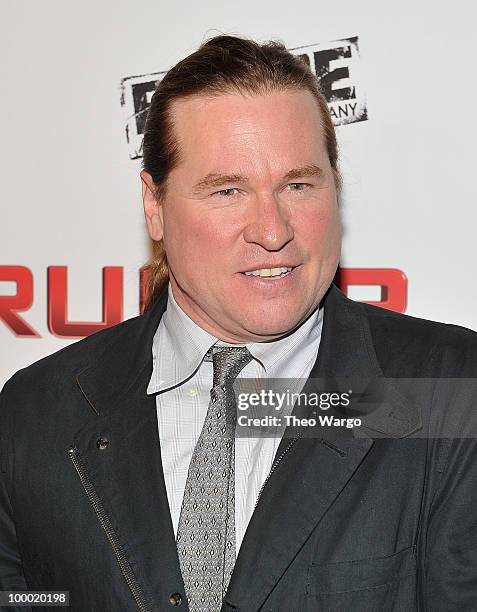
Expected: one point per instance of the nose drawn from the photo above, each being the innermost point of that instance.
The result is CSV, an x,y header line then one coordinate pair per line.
x,y
269,226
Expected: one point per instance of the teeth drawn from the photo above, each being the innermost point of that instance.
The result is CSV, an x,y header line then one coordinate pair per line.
x,y
268,272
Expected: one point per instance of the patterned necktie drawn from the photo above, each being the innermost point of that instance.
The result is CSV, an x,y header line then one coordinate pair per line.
x,y
206,530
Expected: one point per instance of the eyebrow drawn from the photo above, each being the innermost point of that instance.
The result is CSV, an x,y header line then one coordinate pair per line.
x,y
218,180
308,170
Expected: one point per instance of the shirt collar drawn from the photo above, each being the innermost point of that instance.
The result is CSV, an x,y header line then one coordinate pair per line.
x,y
179,346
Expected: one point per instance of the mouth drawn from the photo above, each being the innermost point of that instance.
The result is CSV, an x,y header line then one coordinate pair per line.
x,y
270,274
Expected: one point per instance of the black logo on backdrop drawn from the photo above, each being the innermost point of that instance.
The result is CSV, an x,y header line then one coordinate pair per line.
x,y
335,63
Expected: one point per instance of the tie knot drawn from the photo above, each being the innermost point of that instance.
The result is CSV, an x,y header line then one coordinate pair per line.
x,y
228,362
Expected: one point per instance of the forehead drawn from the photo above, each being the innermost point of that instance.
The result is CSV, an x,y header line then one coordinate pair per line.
x,y
229,127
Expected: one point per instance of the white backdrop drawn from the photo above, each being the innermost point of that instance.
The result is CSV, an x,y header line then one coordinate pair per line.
x,y
71,193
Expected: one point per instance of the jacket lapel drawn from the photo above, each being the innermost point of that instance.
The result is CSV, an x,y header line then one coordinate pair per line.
x,y
126,471
298,493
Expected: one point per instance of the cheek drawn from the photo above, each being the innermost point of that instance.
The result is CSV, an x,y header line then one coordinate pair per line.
x,y
192,238
183,231
215,232
321,228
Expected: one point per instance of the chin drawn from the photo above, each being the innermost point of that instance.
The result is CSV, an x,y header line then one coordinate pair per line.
x,y
266,326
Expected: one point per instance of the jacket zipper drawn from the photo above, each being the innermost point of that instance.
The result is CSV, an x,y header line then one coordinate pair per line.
x,y
96,504
272,469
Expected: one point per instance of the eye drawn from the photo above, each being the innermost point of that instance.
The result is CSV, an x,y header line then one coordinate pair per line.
x,y
298,186
226,193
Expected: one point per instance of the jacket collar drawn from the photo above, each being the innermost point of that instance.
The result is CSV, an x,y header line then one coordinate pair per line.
x,y
346,351
120,364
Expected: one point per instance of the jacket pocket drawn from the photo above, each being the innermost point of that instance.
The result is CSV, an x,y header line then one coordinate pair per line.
x,y
366,584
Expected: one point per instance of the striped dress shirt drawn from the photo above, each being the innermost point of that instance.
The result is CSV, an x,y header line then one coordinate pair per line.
x,y
182,379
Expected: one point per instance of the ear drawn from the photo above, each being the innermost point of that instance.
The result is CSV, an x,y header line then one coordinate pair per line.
x,y
152,208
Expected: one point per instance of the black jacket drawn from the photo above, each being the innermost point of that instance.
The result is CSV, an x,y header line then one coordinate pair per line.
x,y
384,522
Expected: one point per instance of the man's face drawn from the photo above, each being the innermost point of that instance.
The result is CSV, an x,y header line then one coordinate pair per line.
x,y
253,190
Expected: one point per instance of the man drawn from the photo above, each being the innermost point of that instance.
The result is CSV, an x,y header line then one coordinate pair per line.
x,y
121,478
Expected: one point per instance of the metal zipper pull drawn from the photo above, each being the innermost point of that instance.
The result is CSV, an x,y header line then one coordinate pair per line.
x,y
104,521
274,465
